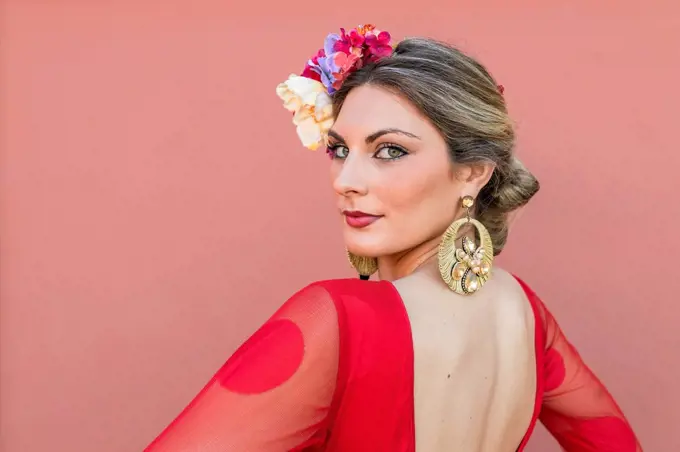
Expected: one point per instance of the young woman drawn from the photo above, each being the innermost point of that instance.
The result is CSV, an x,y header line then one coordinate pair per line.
x,y
446,352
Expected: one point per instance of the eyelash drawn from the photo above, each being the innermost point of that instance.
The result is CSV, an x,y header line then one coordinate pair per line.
x,y
332,149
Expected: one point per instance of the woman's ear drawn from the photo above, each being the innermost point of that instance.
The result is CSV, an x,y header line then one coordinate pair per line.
x,y
475,176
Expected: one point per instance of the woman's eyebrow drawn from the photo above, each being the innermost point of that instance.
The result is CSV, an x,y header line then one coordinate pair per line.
x,y
375,135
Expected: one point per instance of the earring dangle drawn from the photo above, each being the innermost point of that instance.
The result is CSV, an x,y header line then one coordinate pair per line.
x,y
366,266
465,270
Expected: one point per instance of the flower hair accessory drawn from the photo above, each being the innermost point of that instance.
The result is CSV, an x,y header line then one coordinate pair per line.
x,y
308,96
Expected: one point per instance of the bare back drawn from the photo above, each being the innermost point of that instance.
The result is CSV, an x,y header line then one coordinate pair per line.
x,y
475,363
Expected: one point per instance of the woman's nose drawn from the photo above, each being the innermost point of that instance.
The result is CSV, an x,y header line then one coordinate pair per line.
x,y
351,180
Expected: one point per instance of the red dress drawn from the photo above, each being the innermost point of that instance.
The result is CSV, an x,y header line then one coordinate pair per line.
x,y
332,370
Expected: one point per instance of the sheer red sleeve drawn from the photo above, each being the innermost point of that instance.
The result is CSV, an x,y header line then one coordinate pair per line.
x,y
577,409
274,393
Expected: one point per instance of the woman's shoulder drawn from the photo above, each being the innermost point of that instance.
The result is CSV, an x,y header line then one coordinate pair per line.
x,y
358,299
510,279
527,292
346,296
344,288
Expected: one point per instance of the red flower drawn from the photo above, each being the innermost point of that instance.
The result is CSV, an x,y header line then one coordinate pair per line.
x,y
308,71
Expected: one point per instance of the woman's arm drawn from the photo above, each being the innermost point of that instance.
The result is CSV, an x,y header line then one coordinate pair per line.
x,y
274,393
577,409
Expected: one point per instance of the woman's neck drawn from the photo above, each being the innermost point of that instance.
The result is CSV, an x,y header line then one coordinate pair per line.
x,y
421,258
402,264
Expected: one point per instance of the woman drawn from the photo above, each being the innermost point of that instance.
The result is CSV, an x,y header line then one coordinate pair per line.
x,y
447,351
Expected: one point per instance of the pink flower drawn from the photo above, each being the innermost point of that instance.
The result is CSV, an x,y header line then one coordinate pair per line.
x,y
345,63
378,45
350,43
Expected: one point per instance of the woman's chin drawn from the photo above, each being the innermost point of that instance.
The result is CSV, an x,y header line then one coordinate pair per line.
x,y
365,243
364,249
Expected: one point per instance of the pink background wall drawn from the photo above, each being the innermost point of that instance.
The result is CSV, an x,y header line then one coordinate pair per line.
x,y
157,207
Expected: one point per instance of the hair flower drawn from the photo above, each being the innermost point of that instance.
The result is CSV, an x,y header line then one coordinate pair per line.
x,y
311,106
308,95
346,52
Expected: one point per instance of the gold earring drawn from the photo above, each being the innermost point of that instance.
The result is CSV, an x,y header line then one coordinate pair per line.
x,y
366,266
465,270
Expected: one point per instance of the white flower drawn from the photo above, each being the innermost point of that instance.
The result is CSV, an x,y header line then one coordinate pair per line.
x,y
312,108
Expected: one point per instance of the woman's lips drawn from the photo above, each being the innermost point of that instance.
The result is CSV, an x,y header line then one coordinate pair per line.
x,y
360,220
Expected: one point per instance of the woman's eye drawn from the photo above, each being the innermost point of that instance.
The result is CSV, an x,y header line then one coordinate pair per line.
x,y
390,153
337,151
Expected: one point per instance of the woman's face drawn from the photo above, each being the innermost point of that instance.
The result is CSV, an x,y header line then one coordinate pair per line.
x,y
395,184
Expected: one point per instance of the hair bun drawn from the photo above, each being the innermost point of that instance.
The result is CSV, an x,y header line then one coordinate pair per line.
x,y
517,189
513,188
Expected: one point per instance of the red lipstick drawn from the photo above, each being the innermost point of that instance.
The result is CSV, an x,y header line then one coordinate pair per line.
x,y
358,219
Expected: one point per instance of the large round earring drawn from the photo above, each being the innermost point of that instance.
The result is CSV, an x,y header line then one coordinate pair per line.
x,y
366,266
465,270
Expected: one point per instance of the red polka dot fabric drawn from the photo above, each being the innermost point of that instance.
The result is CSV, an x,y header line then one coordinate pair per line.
x,y
279,346
274,393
